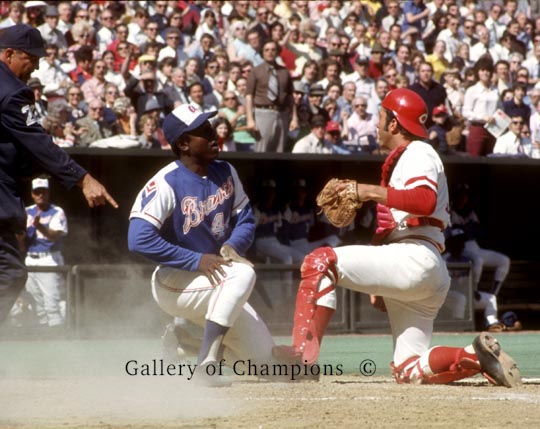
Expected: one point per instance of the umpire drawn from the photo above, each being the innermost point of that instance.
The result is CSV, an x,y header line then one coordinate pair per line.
x,y
26,150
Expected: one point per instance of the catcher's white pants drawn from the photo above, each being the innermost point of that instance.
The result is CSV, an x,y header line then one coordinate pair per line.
x,y
410,275
47,289
190,295
486,258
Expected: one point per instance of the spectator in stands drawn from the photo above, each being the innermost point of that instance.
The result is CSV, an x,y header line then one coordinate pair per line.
x,y
83,58
437,132
15,14
148,125
211,70
82,34
94,87
160,15
374,103
177,91
40,104
174,48
432,93
49,31
126,116
314,142
76,103
224,133
34,13
164,71
468,32
512,143
437,60
268,99
362,127
51,74
193,71
111,75
238,41
152,31
516,106
196,97
136,27
203,49
236,116
57,124
315,96
109,95
435,25
92,127
331,72
479,105
215,98
106,34
395,15
375,63
450,35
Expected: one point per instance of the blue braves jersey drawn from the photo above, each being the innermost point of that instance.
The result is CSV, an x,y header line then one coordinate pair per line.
x,y
24,145
179,215
53,218
300,220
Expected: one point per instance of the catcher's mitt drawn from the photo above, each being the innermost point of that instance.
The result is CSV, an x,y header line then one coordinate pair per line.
x,y
339,209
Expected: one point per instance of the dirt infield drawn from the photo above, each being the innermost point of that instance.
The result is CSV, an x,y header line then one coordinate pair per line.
x,y
344,401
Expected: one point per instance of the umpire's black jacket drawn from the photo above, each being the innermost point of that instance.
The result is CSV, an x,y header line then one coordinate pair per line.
x,y
25,149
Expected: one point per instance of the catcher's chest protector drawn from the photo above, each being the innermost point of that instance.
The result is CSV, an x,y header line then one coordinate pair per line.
x,y
321,262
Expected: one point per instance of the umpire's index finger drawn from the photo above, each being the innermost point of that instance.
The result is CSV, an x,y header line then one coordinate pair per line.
x,y
111,200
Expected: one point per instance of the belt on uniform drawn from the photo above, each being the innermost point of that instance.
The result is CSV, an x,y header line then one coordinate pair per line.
x,y
478,123
413,237
269,107
39,254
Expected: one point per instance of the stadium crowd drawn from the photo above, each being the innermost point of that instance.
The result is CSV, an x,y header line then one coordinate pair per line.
x,y
288,76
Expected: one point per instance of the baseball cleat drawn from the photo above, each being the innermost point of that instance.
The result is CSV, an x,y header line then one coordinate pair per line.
x,y
497,366
177,344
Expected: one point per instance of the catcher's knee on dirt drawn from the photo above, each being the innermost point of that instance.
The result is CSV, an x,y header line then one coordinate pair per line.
x,y
319,264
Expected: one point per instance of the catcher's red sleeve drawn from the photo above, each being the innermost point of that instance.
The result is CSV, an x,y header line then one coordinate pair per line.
x,y
419,201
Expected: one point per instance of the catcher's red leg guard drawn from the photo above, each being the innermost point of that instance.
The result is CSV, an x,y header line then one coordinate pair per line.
x,y
442,366
308,319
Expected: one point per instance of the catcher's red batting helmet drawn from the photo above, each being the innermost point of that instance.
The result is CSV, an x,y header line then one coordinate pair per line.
x,y
409,110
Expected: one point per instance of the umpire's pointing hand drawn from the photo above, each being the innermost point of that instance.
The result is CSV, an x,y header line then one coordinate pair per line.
x,y
95,193
212,267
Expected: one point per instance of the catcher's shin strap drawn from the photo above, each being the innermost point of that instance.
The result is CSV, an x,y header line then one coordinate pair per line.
x,y
321,262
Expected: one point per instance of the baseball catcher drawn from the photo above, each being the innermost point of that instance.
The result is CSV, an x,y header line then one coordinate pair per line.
x,y
403,272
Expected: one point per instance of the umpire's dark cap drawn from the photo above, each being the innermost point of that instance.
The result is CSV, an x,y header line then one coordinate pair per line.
x,y
23,38
183,119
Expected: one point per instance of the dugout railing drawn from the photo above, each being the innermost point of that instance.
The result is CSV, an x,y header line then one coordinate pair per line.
x,y
116,301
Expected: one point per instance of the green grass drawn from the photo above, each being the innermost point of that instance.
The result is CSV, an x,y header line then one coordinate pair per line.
x,y
90,358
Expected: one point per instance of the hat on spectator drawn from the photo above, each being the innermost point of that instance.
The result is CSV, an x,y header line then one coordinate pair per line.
x,y
51,11
152,104
35,3
377,47
298,86
40,183
34,82
317,121
332,126
183,119
316,90
360,59
24,38
439,110
146,57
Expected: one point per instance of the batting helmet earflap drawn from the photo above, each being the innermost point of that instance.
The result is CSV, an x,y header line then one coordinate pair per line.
x,y
409,109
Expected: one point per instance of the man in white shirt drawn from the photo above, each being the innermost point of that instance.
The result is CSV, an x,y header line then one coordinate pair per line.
x,y
106,33
49,31
362,126
16,11
511,142
364,84
495,28
314,142
533,65
450,35
53,77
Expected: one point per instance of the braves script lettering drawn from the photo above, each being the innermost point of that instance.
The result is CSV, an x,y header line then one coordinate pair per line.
x,y
195,210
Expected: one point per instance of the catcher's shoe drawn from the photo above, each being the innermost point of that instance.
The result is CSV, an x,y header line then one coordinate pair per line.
x,y
496,327
498,367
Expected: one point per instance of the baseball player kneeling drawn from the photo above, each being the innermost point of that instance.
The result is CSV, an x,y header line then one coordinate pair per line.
x,y
404,273
194,219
